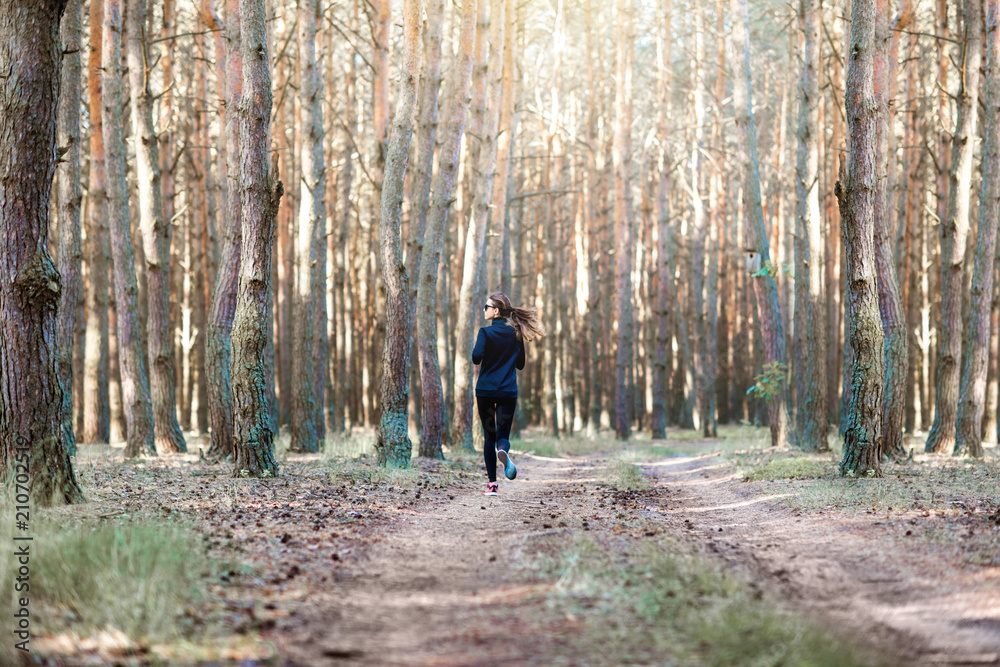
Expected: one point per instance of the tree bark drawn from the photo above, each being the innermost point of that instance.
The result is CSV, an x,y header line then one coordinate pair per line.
x,y
757,247
136,403
218,362
620,155
35,445
890,299
856,193
954,233
311,214
69,253
155,234
812,405
432,392
96,396
393,445
972,392
461,428
260,195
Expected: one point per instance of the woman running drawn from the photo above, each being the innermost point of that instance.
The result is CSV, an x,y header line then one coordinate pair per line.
x,y
499,351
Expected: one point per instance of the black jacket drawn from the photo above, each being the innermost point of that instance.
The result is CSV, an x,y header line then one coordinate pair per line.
x,y
498,352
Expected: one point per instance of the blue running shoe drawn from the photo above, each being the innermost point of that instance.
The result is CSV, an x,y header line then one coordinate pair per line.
x,y
509,469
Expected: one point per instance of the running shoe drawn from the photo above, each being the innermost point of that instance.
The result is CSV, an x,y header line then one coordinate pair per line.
x,y
509,469
492,489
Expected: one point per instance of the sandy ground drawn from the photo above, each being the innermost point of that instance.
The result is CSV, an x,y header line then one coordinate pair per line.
x,y
434,587
916,605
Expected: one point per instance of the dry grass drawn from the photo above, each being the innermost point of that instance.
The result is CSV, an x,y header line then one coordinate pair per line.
x,y
667,603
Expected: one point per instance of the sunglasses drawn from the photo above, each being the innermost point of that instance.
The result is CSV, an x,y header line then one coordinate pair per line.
x,y
488,306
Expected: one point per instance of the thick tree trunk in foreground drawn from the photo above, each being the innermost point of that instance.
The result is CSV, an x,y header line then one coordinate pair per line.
x,y
34,445
858,208
972,393
218,362
156,237
259,198
954,233
812,404
311,215
136,403
620,154
68,201
432,393
96,398
475,240
764,286
393,446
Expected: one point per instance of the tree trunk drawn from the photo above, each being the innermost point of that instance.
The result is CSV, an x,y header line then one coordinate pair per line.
x,y
620,155
96,397
813,404
136,403
218,362
35,445
432,392
953,239
393,445
461,429
972,392
858,200
311,214
156,237
764,286
890,299
260,196
69,253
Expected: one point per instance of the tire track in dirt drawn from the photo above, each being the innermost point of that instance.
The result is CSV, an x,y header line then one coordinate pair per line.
x,y
830,569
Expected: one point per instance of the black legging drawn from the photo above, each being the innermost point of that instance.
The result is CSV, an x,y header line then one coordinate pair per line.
x,y
497,415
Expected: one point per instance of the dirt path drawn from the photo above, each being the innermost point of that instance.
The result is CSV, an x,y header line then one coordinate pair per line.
x,y
846,571
431,589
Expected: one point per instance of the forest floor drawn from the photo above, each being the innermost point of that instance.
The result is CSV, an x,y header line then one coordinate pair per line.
x,y
684,551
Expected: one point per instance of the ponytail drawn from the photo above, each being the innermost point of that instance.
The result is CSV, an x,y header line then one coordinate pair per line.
x,y
524,320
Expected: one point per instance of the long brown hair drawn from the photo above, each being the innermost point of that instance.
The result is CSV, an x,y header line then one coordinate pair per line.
x,y
524,320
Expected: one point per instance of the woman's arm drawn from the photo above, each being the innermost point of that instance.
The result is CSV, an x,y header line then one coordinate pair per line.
x,y
480,349
519,362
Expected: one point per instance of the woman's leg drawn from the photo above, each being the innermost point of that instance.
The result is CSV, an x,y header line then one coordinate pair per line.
x,y
505,408
488,416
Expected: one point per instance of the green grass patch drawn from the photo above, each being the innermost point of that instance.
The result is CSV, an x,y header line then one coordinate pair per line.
x,y
139,579
666,603
623,475
789,468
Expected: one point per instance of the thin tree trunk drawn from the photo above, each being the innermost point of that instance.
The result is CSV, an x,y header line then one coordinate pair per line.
x,y
432,392
764,286
393,444
858,199
812,404
218,364
69,254
461,428
96,408
260,196
136,403
954,234
972,392
34,443
311,214
156,237
620,155
890,299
